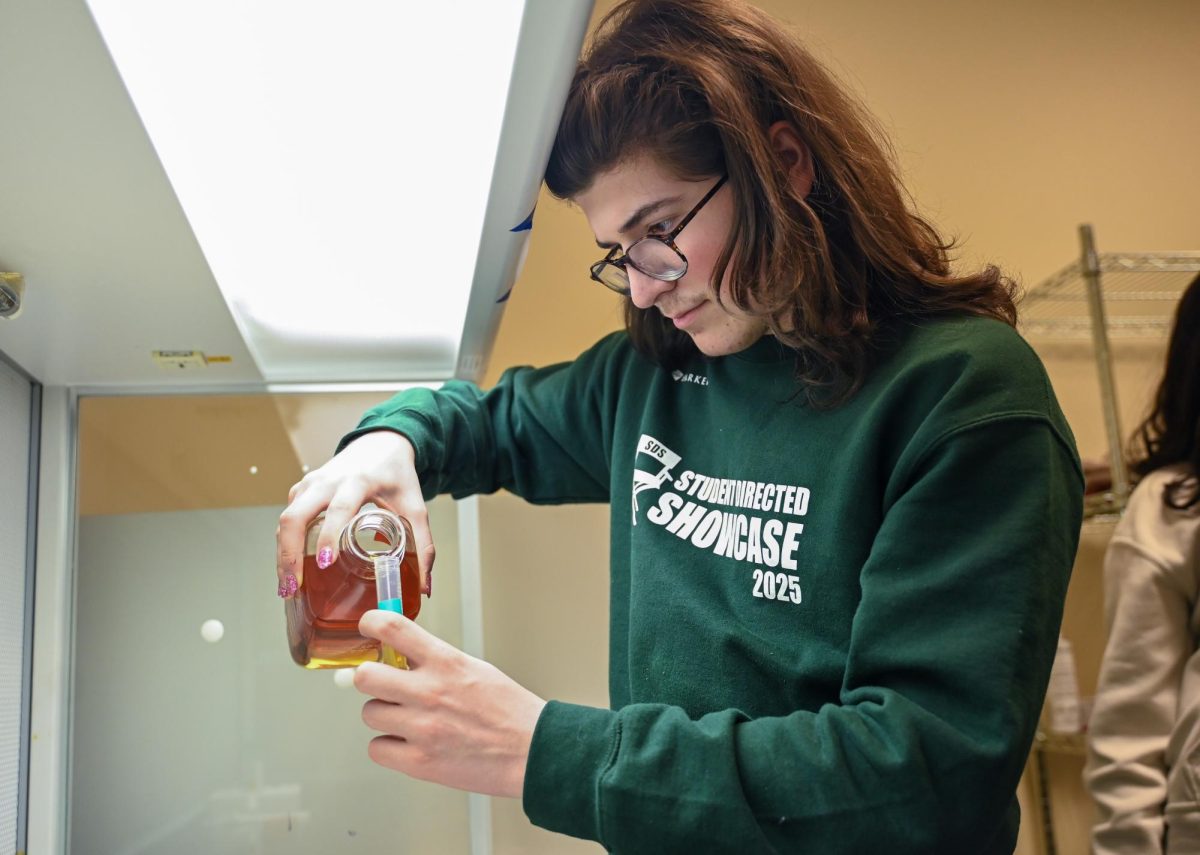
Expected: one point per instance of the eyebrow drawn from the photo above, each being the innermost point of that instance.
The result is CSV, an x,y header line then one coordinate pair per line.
x,y
639,215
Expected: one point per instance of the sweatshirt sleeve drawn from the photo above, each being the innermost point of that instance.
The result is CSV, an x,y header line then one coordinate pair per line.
x,y
961,601
544,434
1137,698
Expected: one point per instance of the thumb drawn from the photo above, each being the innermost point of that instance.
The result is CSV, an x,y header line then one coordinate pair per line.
x,y
415,643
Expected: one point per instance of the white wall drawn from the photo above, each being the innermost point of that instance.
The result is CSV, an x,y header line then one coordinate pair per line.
x,y
15,401
181,746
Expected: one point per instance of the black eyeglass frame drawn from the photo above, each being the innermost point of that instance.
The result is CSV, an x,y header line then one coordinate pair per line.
x,y
668,239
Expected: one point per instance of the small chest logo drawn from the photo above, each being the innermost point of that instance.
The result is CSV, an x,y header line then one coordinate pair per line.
x,y
679,377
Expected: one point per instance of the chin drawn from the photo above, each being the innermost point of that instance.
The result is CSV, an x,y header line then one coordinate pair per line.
x,y
725,345
711,348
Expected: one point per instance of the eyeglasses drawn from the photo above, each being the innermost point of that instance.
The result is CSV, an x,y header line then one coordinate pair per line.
x,y
657,256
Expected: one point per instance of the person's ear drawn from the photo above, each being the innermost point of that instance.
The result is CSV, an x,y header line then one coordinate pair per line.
x,y
794,155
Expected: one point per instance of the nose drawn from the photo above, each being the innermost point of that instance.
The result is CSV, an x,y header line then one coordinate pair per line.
x,y
645,290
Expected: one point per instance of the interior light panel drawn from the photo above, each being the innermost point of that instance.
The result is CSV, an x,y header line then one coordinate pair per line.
x,y
333,160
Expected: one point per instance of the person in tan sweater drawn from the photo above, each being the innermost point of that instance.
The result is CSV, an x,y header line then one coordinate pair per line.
x,y
1143,767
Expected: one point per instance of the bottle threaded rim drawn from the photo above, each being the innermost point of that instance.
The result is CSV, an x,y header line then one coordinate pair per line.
x,y
377,521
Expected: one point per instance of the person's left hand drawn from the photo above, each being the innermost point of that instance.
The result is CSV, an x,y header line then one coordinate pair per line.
x,y
452,719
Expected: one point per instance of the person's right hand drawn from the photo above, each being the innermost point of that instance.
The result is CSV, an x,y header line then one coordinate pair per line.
x,y
376,467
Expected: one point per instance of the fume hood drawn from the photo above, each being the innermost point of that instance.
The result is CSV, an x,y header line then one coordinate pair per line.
x,y
272,192
276,198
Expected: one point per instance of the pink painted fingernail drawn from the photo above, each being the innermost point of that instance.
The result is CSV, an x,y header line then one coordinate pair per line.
x,y
324,557
290,585
282,590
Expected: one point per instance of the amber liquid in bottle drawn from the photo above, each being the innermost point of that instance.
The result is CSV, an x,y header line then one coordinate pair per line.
x,y
322,618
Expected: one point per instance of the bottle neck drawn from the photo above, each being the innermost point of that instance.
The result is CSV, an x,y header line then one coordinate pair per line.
x,y
371,533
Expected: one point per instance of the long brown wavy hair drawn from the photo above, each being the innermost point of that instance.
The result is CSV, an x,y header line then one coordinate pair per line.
x,y
1171,433
696,84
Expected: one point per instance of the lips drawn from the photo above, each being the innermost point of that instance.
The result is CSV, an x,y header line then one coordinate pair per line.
x,y
682,319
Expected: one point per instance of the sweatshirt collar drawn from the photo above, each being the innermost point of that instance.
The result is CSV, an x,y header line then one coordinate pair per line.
x,y
766,349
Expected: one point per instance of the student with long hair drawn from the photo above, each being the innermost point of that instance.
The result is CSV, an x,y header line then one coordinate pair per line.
x,y
1143,766
844,502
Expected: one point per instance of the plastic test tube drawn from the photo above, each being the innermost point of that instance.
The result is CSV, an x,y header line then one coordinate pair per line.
x,y
387,592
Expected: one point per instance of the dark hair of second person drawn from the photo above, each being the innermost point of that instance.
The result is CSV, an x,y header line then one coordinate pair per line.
x,y
1171,433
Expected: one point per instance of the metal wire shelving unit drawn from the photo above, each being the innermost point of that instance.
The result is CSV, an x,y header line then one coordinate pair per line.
x,y
1105,296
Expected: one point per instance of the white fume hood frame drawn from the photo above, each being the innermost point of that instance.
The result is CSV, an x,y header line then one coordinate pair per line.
x,y
113,273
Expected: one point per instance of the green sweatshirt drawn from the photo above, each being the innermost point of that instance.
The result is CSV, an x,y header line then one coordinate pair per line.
x,y
831,630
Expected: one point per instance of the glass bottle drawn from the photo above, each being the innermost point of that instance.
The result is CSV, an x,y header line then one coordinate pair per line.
x,y
322,617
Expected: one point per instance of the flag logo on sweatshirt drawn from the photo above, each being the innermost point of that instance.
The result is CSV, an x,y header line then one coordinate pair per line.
x,y
665,459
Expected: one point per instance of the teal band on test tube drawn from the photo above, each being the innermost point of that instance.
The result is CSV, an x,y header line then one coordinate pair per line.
x,y
387,583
